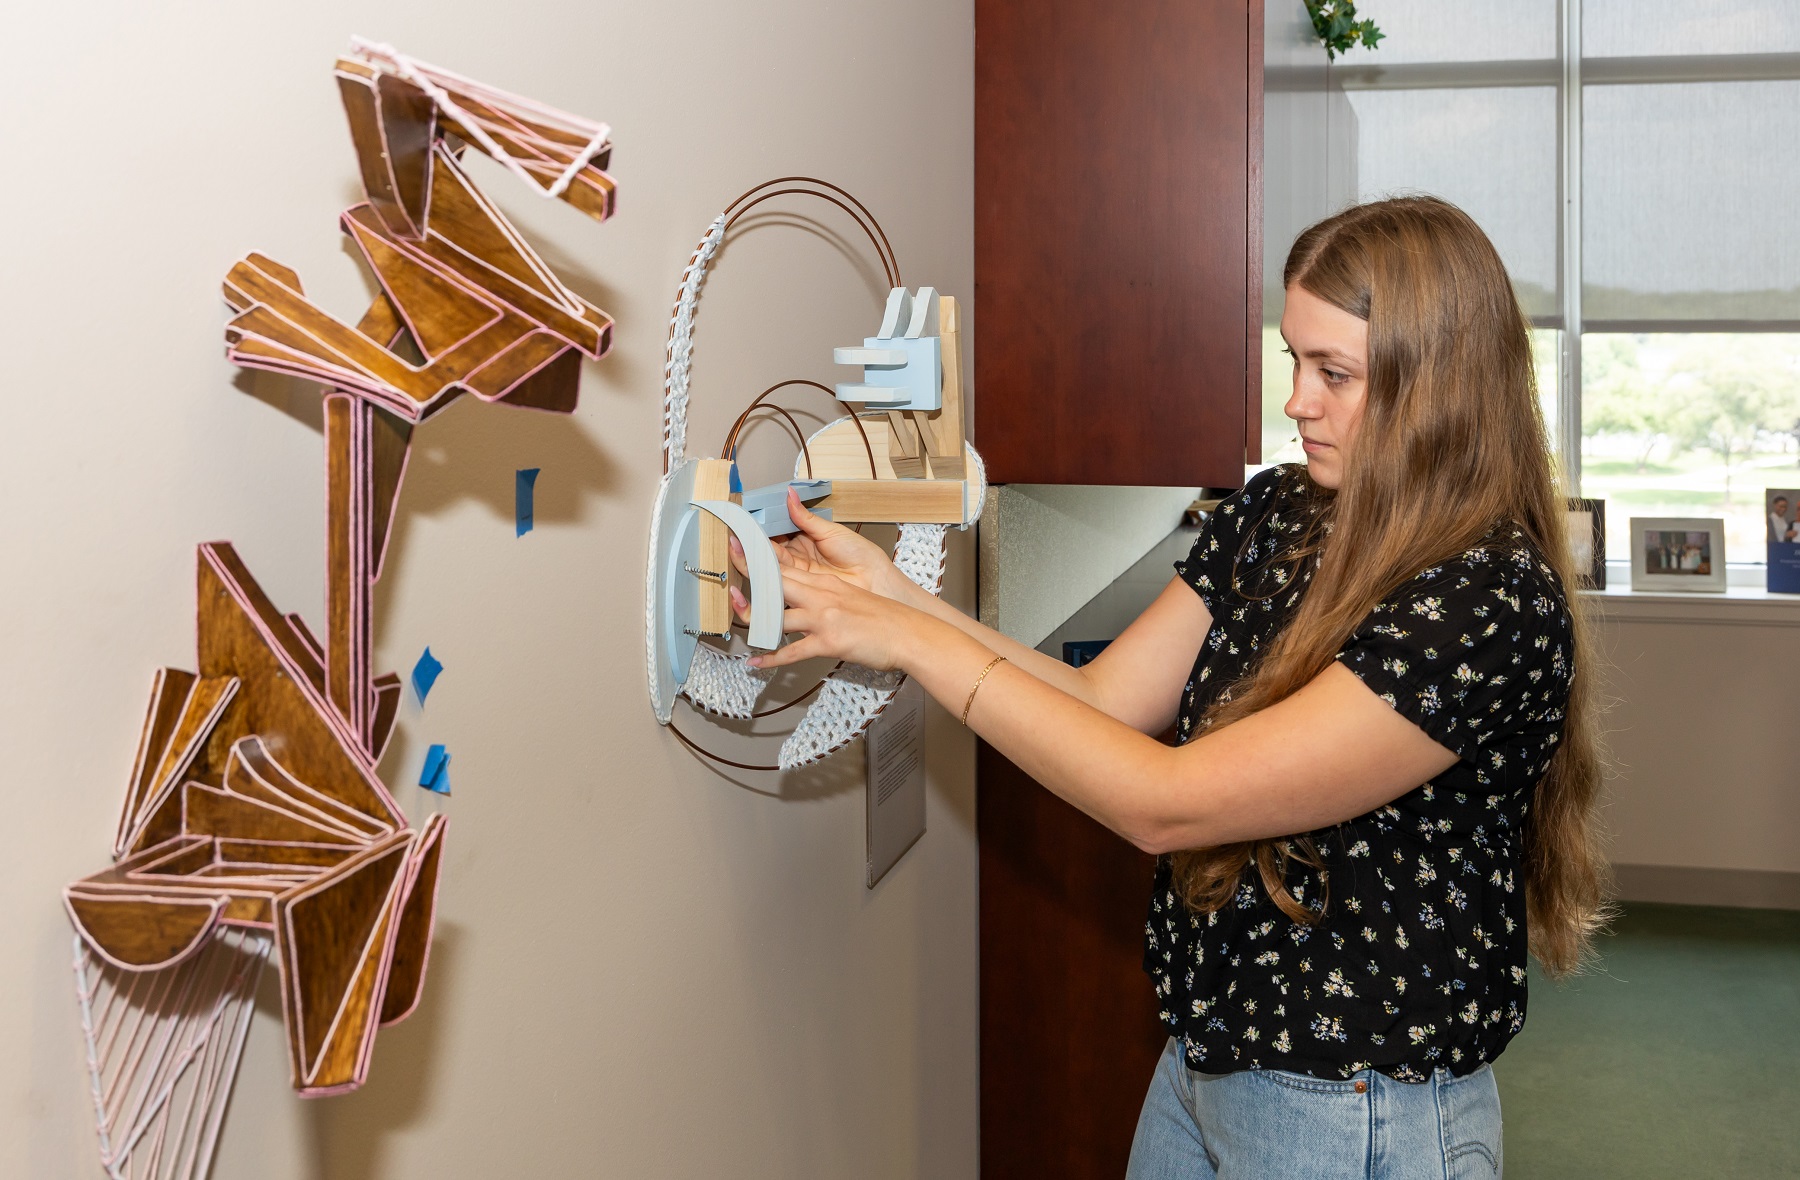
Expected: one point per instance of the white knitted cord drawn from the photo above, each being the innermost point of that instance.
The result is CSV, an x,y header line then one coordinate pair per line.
x,y
678,358
681,345
426,77
723,684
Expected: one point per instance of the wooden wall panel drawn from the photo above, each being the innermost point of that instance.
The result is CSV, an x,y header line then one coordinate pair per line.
x,y
1069,1031
1117,239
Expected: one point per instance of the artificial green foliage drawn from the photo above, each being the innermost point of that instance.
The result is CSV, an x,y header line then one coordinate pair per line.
x,y
1336,24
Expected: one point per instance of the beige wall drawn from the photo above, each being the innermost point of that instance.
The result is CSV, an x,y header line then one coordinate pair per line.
x,y
644,968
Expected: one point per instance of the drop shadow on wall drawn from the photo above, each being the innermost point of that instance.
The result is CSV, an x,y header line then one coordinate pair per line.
x,y
350,1132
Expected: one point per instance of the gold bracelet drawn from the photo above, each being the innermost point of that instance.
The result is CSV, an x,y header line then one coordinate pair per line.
x,y
976,687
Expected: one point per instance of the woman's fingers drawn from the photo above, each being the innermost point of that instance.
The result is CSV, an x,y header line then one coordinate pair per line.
x,y
800,586
740,605
813,525
790,653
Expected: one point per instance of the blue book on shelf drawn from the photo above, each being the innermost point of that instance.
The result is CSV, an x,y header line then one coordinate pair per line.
x,y
1784,567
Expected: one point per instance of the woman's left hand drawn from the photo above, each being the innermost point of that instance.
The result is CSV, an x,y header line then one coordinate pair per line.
x,y
838,620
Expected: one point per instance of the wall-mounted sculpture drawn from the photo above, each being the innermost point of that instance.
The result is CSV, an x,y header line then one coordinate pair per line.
x,y
255,818
898,456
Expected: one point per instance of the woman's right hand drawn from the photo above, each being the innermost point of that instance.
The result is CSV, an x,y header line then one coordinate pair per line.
x,y
827,548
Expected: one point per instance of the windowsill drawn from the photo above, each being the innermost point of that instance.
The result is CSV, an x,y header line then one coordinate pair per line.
x,y
1744,602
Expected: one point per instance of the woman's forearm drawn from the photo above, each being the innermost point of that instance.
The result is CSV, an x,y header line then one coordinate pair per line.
x,y
1049,669
1102,766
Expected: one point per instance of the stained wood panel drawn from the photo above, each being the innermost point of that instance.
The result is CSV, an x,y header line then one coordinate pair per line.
x,y
1117,239
1069,1031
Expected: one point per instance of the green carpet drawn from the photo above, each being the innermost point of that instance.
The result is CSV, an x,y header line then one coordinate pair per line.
x,y
1679,1056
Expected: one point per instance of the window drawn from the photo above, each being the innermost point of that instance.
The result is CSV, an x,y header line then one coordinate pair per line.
x,y
1635,163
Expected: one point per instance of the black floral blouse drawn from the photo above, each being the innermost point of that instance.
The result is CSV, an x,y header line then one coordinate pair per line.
x,y
1417,959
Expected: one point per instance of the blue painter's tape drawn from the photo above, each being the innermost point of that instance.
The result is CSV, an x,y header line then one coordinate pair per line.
x,y
425,674
522,501
435,774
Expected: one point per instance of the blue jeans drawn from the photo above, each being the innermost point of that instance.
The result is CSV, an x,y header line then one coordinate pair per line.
x,y
1264,1124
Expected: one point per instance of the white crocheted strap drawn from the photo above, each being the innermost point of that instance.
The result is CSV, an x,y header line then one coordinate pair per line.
x,y
977,473
919,554
851,698
679,356
722,684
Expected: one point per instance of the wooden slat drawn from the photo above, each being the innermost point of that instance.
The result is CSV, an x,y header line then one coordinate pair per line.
x,y
239,635
142,932
168,696
158,816
895,501
390,443
255,773
216,812
712,481
386,689
334,938
418,912
391,125
944,429
346,579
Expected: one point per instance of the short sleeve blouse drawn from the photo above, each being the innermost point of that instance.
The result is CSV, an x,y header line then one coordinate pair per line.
x,y
1417,959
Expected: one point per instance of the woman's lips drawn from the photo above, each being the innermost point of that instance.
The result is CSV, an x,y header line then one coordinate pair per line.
x,y
1314,447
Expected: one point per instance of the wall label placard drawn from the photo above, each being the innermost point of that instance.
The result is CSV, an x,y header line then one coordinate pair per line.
x,y
896,755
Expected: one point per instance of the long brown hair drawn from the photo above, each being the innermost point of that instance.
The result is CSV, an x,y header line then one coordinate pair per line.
x,y
1451,444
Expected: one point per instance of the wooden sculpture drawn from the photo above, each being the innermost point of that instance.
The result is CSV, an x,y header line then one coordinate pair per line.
x,y
254,816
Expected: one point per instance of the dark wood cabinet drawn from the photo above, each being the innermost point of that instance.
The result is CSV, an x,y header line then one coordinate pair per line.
x,y
1117,340
1069,1030
1118,243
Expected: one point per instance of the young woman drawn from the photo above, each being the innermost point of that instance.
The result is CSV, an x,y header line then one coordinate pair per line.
x,y
1385,785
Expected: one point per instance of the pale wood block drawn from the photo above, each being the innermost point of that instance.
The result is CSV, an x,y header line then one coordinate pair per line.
x,y
712,481
896,501
838,452
944,428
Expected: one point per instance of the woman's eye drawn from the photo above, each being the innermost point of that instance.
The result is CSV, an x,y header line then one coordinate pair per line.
x,y
1335,377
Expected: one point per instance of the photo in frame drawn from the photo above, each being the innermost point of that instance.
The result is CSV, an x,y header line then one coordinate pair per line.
x,y
1678,553
1587,542
1782,507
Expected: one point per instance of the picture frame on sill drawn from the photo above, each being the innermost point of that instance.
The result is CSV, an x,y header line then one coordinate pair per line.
x,y
1587,542
1783,511
1678,553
